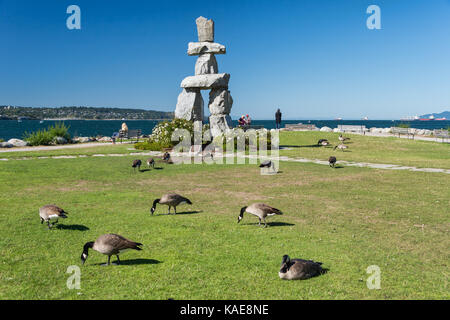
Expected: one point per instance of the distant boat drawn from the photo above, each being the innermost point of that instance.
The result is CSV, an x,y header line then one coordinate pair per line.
x,y
365,118
42,121
19,120
441,119
338,119
430,118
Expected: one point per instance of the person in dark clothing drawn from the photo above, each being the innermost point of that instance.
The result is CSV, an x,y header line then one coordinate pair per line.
x,y
278,118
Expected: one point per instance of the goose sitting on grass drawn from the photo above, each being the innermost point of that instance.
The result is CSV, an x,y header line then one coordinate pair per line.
x,y
323,142
341,147
261,210
299,269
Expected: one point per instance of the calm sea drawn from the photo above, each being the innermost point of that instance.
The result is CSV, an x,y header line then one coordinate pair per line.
x,y
14,129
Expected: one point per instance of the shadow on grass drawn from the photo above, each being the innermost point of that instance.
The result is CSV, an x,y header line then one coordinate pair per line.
x,y
271,224
129,262
76,227
178,213
132,262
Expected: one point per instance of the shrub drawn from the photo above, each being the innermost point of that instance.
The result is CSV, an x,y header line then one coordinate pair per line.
x,y
59,130
404,125
38,138
161,136
1,140
46,137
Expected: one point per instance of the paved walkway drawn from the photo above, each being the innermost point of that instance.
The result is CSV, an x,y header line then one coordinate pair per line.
x,y
49,148
281,158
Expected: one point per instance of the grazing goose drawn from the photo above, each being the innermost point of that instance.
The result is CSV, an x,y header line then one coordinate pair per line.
x,y
137,163
299,269
151,163
109,244
341,147
51,213
267,164
342,139
260,210
332,161
172,200
323,142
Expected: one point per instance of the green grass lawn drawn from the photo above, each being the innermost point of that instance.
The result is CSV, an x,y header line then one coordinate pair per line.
x,y
416,153
348,218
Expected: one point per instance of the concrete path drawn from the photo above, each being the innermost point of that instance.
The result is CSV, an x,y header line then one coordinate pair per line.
x,y
281,158
49,148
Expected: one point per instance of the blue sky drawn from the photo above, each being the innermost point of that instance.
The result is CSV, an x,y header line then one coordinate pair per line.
x,y
313,59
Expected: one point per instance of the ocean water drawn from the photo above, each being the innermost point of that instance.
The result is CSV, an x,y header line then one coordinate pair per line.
x,y
14,129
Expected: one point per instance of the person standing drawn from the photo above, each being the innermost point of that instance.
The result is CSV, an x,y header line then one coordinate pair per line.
x,y
278,118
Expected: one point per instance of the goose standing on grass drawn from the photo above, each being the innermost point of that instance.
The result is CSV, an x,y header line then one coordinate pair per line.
x,y
109,244
260,210
341,147
171,200
332,161
323,142
137,164
343,139
299,269
51,214
151,163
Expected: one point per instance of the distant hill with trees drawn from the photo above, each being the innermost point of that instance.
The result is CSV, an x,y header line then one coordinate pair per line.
x,y
80,113
445,114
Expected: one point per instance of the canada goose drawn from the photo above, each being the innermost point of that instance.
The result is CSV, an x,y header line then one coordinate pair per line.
x,y
266,164
137,163
260,210
299,269
151,163
332,161
166,156
342,139
109,244
51,213
323,142
341,147
172,200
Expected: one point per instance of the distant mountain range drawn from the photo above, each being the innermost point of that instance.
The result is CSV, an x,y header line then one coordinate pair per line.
x,y
80,113
445,114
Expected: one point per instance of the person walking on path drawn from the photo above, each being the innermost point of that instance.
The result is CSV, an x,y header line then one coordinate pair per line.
x,y
278,118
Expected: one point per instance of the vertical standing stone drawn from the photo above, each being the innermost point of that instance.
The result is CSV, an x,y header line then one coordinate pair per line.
x,y
205,29
190,105
220,101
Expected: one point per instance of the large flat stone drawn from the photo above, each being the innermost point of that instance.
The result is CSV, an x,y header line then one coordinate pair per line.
x,y
190,105
205,29
207,81
206,64
198,48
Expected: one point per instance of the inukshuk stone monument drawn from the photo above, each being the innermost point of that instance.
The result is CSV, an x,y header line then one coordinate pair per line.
x,y
190,105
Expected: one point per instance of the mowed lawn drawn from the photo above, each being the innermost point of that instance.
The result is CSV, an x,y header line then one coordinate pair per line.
x,y
386,150
348,218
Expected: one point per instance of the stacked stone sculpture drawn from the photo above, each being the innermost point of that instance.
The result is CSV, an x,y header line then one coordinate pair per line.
x,y
190,105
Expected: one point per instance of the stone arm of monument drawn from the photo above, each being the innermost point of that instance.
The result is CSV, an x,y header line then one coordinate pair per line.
x,y
198,48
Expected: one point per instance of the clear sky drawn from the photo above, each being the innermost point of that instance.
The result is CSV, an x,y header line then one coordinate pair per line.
x,y
313,59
